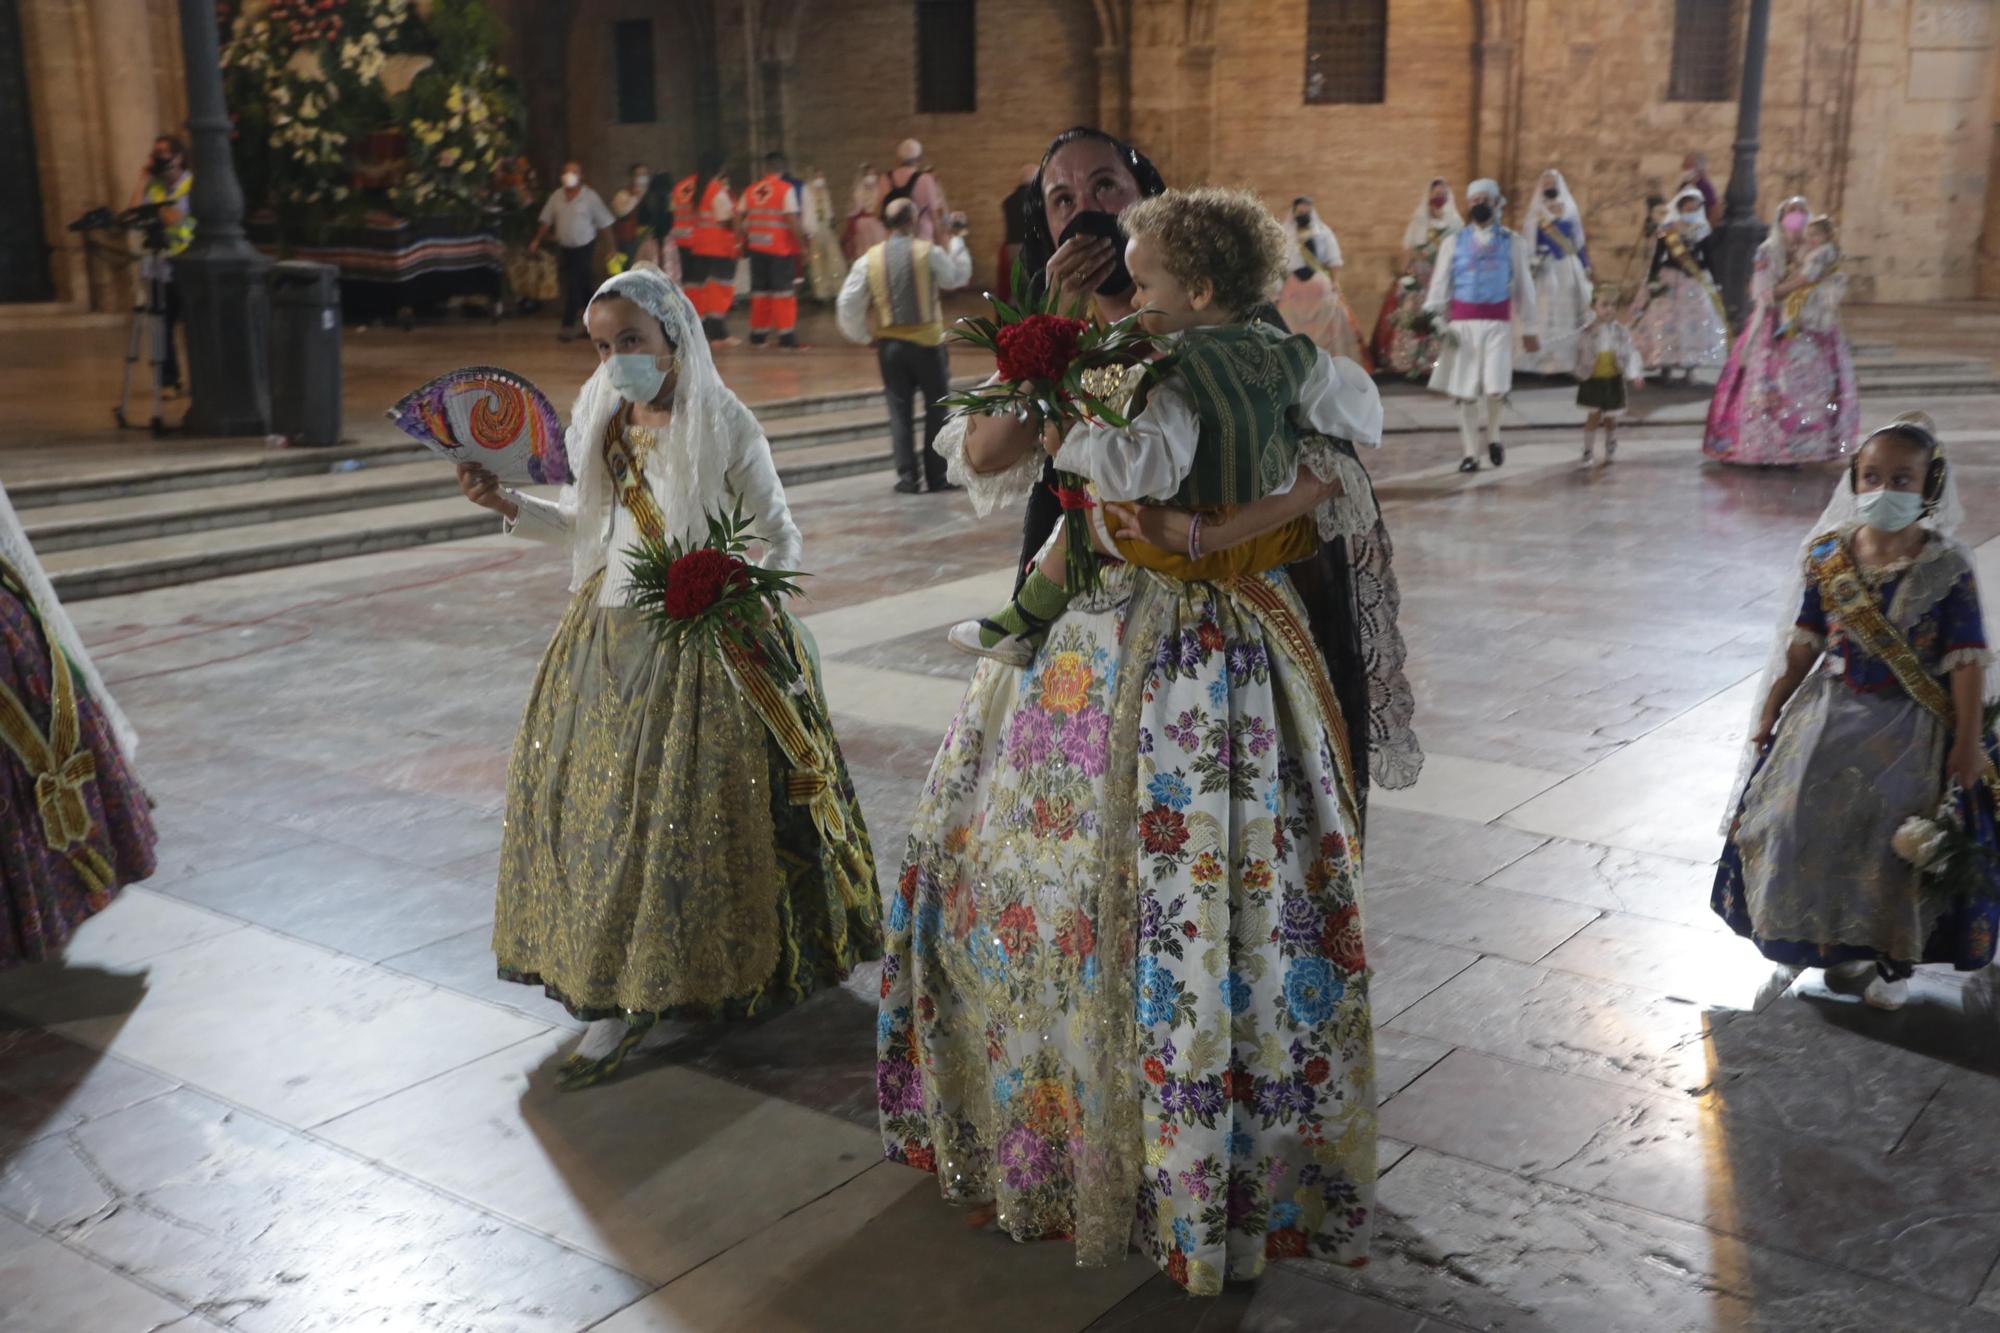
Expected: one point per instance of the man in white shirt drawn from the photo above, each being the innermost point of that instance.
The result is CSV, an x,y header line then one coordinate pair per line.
x,y
894,287
575,214
1480,288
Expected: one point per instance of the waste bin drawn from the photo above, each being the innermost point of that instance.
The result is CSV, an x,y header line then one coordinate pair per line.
x,y
305,352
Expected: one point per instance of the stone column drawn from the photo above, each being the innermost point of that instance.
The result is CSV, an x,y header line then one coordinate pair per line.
x,y
1741,232
1114,90
222,276
1194,117
128,96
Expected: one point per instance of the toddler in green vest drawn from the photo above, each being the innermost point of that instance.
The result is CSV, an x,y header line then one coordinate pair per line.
x,y
1220,421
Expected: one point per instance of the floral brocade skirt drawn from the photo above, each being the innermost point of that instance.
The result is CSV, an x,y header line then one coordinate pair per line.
x,y
1784,400
45,894
1126,995
652,863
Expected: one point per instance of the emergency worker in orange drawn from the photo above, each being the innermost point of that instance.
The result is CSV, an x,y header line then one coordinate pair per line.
x,y
773,235
705,233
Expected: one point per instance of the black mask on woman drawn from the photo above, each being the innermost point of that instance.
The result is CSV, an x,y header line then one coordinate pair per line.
x,y
1095,222
1551,193
1480,213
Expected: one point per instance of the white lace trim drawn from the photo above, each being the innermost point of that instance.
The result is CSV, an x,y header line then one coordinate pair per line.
x,y
1352,513
1958,657
990,492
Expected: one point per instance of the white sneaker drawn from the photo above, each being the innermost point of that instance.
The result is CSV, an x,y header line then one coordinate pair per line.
x,y
1852,973
1013,651
1885,994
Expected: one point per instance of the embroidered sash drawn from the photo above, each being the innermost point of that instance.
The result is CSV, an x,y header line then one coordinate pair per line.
x,y
59,762
1289,632
1554,236
793,713
1845,596
1678,252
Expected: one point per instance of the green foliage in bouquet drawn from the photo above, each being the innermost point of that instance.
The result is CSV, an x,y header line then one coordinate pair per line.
x,y
1054,367
703,594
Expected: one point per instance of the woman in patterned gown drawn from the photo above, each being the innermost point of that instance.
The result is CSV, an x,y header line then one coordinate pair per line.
x,y
1405,343
668,852
1787,394
75,826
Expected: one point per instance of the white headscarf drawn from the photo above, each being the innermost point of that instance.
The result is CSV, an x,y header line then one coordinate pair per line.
x,y
1842,514
1540,212
16,551
1698,229
1317,234
689,479
1421,221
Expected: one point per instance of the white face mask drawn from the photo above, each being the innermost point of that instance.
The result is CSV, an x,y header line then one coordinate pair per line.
x,y
640,182
571,180
635,375
1889,511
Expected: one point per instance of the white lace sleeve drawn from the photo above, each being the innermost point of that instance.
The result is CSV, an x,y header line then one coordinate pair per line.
x,y
753,479
539,520
990,492
1352,513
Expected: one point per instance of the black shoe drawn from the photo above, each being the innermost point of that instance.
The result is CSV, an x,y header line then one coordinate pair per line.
x,y
1468,465
1497,452
941,486
908,488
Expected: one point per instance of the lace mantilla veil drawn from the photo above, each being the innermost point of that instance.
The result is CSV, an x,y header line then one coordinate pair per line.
x,y
705,411
20,556
1840,515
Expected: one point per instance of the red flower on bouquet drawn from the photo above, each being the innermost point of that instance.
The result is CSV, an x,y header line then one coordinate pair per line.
x,y
698,580
1038,347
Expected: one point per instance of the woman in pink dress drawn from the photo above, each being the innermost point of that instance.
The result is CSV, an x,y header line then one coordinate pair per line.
x,y
864,230
1787,394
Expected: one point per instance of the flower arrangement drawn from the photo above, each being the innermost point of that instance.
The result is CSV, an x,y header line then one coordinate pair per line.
x,y
1051,365
708,593
335,98
1953,862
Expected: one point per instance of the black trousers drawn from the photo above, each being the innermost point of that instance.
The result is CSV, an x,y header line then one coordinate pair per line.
x,y
573,270
170,361
910,369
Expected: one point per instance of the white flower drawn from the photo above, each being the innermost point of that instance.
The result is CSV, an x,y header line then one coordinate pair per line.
x,y
1918,841
305,63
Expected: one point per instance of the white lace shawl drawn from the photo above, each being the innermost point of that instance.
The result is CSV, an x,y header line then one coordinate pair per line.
x,y
16,551
711,456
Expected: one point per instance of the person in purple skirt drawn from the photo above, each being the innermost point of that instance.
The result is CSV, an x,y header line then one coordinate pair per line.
x,y
75,825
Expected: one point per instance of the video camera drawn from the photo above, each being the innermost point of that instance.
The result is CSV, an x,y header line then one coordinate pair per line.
x,y
140,217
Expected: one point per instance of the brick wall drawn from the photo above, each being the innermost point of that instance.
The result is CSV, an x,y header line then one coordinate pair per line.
x,y
854,96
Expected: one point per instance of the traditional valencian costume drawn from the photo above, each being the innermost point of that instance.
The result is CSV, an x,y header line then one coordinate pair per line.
x,y
1162,807
1680,326
669,850
1405,341
1311,300
1788,393
75,826
1810,871
1481,289
1561,268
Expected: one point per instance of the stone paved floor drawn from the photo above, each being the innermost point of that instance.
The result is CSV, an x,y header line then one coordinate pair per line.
x,y
278,1088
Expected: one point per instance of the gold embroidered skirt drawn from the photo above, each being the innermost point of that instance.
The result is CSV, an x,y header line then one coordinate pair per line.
x,y
651,862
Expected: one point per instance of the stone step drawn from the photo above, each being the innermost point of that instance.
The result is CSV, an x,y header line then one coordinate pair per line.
x,y
847,400
308,531
164,473
128,518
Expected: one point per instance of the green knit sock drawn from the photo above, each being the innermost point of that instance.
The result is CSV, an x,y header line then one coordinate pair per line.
x,y
1040,601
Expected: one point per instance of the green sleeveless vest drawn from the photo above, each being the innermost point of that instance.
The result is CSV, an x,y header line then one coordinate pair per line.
x,y
1243,380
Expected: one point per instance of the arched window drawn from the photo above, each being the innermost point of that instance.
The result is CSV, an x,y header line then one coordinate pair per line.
x,y
947,56
1704,60
1347,50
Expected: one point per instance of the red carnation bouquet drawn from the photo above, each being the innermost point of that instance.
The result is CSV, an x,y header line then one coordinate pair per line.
x,y
1043,355
709,593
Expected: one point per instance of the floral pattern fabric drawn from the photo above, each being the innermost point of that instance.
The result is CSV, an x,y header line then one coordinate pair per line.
x,y
1126,991
1787,396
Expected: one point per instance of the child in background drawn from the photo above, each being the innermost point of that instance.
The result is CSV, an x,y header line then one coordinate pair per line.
x,y
1202,262
1606,357
1874,715
1820,259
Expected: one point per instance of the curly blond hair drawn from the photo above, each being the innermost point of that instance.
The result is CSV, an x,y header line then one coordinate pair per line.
x,y
1225,240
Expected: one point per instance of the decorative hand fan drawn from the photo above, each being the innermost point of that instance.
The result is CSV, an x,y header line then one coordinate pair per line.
x,y
492,417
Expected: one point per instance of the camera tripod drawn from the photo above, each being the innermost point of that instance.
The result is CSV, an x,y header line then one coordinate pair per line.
x,y
147,335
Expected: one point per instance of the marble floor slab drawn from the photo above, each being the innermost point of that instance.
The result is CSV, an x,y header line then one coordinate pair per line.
x,y
281,1087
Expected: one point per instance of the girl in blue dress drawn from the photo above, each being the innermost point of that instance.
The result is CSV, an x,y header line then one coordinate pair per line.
x,y
1873,716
